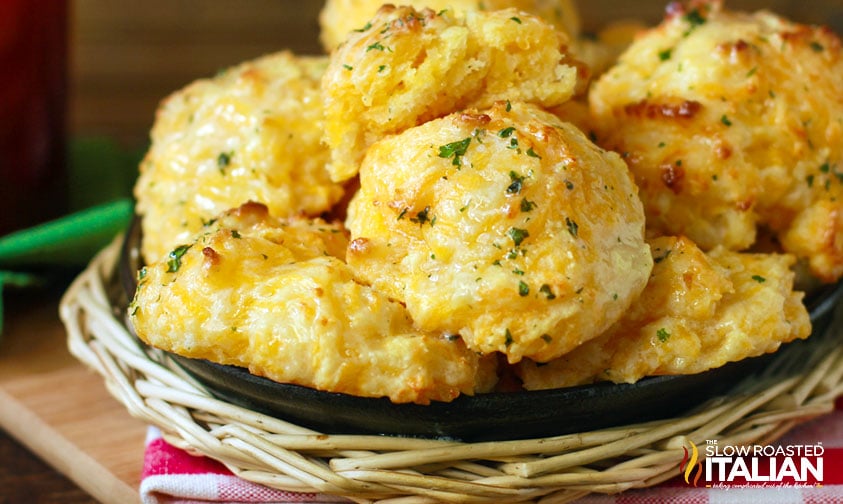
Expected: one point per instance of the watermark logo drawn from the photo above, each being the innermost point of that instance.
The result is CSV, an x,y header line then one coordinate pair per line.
x,y
690,462
752,465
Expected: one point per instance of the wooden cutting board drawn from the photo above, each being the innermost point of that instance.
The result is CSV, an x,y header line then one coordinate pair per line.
x,y
61,410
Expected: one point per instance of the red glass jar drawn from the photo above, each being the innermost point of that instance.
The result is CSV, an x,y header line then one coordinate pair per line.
x,y
33,105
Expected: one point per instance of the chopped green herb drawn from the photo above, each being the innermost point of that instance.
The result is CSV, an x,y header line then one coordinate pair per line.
x,y
825,167
174,258
810,180
402,214
235,233
547,338
527,205
223,160
569,185
573,227
523,288
517,20
377,46
507,337
508,106
665,54
506,132
347,67
518,235
817,47
759,278
366,27
517,182
663,334
455,149
694,18
422,217
532,153
725,120
545,289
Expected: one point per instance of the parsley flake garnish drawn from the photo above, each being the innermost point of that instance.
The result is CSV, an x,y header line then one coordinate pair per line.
x,y
694,18
527,205
517,182
223,160
518,235
422,217
455,150
376,46
174,258
523,288
663,334
573,227
366,27
506,132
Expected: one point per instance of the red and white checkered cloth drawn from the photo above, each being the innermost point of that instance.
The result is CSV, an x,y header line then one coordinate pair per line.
x,y
172,476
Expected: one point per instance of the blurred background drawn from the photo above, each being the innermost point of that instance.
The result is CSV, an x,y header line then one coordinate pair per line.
x,y
126,56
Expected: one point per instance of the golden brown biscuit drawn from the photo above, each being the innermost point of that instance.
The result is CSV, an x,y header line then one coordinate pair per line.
x,y
338,18
252,133
698,312
506,226
731,121
409,67
274,296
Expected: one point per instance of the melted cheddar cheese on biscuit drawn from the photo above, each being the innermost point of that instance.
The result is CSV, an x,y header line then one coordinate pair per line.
x,y
274,296
505,226
408,67
252,133
339,18
733,122
698,312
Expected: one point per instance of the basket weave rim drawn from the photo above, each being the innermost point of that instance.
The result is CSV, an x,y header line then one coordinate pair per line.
x,y
366,468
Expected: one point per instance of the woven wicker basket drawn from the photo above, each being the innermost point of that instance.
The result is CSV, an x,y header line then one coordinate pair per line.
x,y
279,454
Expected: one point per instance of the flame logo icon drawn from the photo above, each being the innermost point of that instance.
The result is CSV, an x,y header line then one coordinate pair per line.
x,y
689,463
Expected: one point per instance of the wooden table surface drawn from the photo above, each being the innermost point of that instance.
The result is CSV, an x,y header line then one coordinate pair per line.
x,y
26,478
64,438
